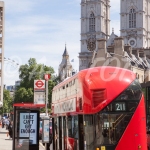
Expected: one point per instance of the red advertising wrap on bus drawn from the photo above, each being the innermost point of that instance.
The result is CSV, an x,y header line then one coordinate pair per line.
x,y
99,108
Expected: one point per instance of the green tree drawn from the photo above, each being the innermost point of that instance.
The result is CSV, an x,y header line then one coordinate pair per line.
x,y
24,95
7,102
30,72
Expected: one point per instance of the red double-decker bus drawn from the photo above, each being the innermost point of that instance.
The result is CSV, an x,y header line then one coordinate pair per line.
x,y
99,108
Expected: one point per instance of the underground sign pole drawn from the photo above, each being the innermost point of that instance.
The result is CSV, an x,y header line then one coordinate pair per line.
x,y
46,96
47,77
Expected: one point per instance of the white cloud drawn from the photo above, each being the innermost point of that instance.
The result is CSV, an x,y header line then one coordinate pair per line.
x,y
115,6
18,6
31,26
116,25
31,32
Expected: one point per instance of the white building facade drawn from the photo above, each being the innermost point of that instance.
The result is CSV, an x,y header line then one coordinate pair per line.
x,y
135,22
1,51
95,24
134,43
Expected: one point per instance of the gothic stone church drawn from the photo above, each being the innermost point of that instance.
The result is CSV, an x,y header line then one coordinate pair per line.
x,y
100,48
130,50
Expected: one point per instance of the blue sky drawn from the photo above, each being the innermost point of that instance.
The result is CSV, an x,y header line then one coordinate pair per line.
x,y
40,28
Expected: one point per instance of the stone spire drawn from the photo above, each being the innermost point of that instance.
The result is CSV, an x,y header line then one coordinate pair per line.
x,y
65,67
65,52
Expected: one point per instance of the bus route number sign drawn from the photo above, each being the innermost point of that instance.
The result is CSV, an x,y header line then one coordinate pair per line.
x,y
120,106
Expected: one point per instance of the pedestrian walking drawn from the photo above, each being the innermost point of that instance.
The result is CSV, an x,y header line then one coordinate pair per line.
x,y
0,123
3,123
50,141
10,130
7,121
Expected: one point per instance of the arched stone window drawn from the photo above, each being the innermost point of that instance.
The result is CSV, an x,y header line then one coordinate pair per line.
x,y
92,22
132,18
104,22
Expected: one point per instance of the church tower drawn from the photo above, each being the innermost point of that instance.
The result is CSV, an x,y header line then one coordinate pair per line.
x,y
95,24
65,67
135,22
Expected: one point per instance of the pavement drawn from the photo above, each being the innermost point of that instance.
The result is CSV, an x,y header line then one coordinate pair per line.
x,y
6,143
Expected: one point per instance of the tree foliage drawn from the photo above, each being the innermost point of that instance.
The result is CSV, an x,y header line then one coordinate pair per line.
x,y
30,72
7,102
24,95
33,71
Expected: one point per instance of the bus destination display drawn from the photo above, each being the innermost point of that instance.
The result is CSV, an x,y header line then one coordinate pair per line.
x,y
120,106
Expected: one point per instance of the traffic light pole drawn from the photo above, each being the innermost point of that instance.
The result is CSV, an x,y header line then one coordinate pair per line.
x,y
46,97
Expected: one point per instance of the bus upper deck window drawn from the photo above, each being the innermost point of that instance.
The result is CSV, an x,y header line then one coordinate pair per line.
x,y
133,92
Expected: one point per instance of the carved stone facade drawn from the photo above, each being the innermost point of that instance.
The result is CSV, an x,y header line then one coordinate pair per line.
x,y
121,55
131,50
95,24
135,20
65,67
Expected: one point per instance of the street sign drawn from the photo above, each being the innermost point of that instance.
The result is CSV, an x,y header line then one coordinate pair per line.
x,y
39,85
39,97
47,77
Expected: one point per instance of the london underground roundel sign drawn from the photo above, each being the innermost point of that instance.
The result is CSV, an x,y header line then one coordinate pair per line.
x,y
39,84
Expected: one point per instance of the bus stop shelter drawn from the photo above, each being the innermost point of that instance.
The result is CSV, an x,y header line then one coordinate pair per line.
x,y
26,126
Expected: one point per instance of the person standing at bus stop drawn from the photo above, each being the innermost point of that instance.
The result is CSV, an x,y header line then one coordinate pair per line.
x,y
55,134
10,129
3,123
50,141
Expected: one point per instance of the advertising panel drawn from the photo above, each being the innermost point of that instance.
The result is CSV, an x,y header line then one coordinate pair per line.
x,y
46,131
28,127
66,106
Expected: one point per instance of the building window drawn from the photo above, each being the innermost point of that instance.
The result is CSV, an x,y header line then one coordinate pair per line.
x,y
132,18
92,22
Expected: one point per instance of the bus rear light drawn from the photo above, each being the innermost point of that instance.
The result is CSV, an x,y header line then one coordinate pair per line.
x,y
99,96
